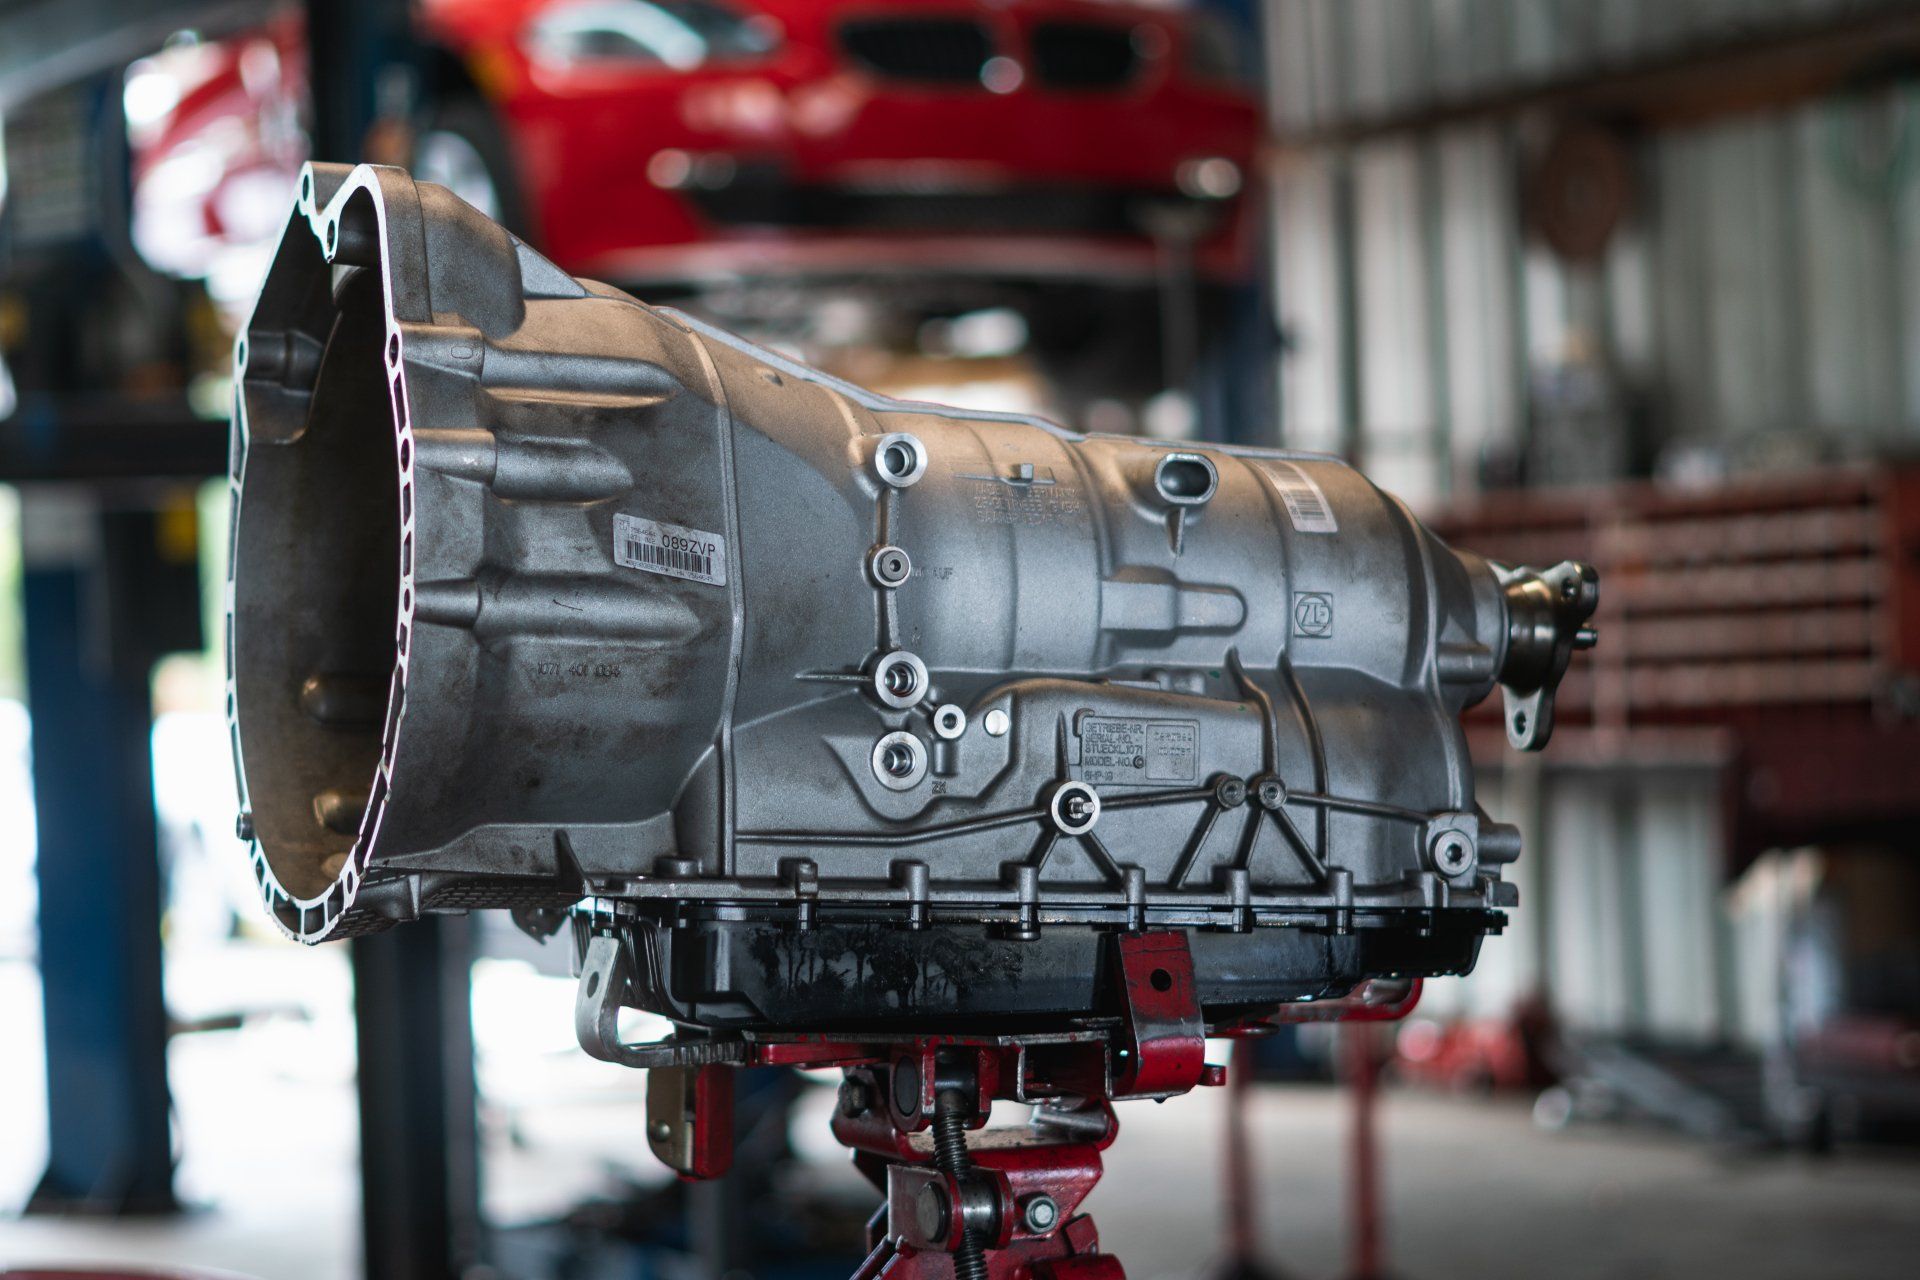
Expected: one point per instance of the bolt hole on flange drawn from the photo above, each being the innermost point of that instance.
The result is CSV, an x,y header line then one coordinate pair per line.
x,y
900,459
900,680
949,721
1160,980
899,761
889,566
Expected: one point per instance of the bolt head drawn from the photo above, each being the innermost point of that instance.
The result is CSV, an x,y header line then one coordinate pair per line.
x,y
1075,808
930,1211
856,1099
243,826
906,1087
1452,853
1040,1213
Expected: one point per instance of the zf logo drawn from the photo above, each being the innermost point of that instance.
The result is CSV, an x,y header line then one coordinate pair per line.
x,y
1313,613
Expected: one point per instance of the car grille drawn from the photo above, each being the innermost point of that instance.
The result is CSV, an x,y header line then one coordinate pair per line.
x,y
1084,55
931,50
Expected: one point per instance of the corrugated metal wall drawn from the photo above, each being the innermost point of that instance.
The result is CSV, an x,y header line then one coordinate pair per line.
x,y
1760,304
1760,301
1621,915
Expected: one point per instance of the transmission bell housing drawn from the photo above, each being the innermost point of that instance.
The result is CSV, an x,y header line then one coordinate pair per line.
x,y
835,710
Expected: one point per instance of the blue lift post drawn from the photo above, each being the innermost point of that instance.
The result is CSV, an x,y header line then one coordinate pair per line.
x,y
1236,385
90,584
108,586
419,1133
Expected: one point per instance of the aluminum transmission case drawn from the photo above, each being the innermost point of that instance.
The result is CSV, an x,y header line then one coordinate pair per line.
x,y
837,709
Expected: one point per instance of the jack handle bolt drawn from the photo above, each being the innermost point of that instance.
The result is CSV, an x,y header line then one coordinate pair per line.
x,y
1039,1213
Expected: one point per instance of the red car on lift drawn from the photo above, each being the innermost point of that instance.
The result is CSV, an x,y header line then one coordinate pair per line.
x,y
676,142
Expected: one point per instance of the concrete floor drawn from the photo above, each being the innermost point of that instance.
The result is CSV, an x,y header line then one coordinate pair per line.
x,y
1472,1188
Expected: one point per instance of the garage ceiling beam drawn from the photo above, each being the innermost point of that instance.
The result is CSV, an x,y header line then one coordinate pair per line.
x,y
1754,73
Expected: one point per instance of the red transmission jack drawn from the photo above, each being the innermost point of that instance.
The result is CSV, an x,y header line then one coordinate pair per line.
x,y
1005,1206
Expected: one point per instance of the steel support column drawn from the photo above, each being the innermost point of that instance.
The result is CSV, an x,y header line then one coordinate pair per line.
x,y
1236,382
87,668
419,1139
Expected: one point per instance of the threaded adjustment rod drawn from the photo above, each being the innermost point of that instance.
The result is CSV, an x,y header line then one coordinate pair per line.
x,y
950,1111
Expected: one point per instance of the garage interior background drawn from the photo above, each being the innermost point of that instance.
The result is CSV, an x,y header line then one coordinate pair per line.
x,y
1631,281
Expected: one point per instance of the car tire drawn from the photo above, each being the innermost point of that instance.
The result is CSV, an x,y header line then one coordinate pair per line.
x,y
462,146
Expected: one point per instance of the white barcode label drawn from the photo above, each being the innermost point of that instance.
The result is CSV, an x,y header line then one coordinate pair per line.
x,y
693,554
1307,506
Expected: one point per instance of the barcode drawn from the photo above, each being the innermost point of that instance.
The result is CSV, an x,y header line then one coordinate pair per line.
x,y
653,546
647,553
1306,504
